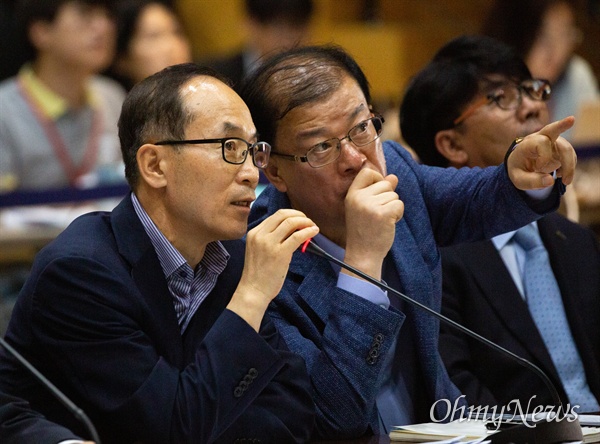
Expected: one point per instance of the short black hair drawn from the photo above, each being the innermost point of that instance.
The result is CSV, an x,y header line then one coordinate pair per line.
x,y
294,78
154,109
297,12
436,96
28,12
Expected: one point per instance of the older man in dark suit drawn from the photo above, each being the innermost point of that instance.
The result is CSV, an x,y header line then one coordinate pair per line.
x,y
461,110
142,316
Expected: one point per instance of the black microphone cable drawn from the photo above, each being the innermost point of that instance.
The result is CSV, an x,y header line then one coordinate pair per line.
x,y
572,431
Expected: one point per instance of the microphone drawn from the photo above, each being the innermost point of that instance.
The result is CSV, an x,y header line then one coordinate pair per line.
x,y
545,430
70,405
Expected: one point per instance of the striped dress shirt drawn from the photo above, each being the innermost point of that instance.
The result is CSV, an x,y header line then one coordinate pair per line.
x,y
188,287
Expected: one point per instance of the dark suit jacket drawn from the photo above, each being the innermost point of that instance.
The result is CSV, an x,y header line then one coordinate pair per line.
x,y
19,424
96,317
480,294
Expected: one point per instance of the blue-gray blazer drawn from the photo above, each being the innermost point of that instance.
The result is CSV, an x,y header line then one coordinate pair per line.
x,y
334,330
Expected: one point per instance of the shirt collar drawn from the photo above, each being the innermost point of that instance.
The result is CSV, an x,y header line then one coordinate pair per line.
x,y
51,104
501,240
215,257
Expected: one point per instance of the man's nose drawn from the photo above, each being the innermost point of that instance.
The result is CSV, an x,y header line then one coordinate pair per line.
x,y
351,156
248,172
529,108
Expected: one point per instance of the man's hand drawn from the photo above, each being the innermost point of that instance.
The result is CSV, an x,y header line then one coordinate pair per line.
x,y
372,210
269,249
537,156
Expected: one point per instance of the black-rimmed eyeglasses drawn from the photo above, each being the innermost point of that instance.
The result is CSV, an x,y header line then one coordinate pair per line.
x,y
234,149
510,96
328,151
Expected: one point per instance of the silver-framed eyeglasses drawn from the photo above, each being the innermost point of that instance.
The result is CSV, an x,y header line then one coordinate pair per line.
x,y
234,149
328,151
509,96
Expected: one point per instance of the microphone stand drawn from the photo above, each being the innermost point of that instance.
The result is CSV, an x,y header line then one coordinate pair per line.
x,y
70,405
549,432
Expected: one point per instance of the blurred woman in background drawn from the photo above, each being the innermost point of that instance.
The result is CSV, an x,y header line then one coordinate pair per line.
x,y
150,37
546,35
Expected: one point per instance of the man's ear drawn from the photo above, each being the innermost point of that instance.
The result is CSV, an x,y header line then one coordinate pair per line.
x,y
152,165
448,143
272,173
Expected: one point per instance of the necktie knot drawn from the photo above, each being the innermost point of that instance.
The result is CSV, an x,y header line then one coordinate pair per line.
x,y
528,237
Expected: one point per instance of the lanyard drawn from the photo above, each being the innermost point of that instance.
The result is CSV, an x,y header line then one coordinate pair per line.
x,y
72,170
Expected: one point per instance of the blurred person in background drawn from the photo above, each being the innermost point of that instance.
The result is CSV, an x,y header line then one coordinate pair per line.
x,y
150,37
545,34
58,120
270,26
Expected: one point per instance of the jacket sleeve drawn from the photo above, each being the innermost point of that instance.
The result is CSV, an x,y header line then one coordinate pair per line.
x,y
19,424
344,354
92,323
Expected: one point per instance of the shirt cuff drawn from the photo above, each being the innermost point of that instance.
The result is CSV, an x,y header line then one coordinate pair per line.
x,y
364,289
543,193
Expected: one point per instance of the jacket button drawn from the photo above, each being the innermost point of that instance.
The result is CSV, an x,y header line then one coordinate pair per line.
x,y
238,392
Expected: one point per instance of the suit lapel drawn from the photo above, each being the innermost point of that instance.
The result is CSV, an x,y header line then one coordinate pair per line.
x,y
136,248
499,290
316,278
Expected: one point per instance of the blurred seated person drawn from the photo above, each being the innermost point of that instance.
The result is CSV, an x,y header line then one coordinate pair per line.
x,y
20,424
58,121
150,37
545,35
462,110
151,317
271,26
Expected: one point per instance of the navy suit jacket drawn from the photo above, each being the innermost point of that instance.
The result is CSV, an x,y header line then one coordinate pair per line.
x,y
335,330
479,293
96,318
19,424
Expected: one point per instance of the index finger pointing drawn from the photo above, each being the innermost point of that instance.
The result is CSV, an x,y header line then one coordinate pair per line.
x,y
555,129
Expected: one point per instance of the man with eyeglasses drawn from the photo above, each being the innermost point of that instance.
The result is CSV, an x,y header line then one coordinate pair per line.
x,y
373,360
488,98
152,317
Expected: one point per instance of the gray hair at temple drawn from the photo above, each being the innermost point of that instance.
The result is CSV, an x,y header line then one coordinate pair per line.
x,y
294,78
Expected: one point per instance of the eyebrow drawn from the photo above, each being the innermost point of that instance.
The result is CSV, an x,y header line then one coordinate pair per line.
x,y
322,130
229,127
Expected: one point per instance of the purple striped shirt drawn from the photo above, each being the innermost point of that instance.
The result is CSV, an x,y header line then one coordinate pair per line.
x,y
188,287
